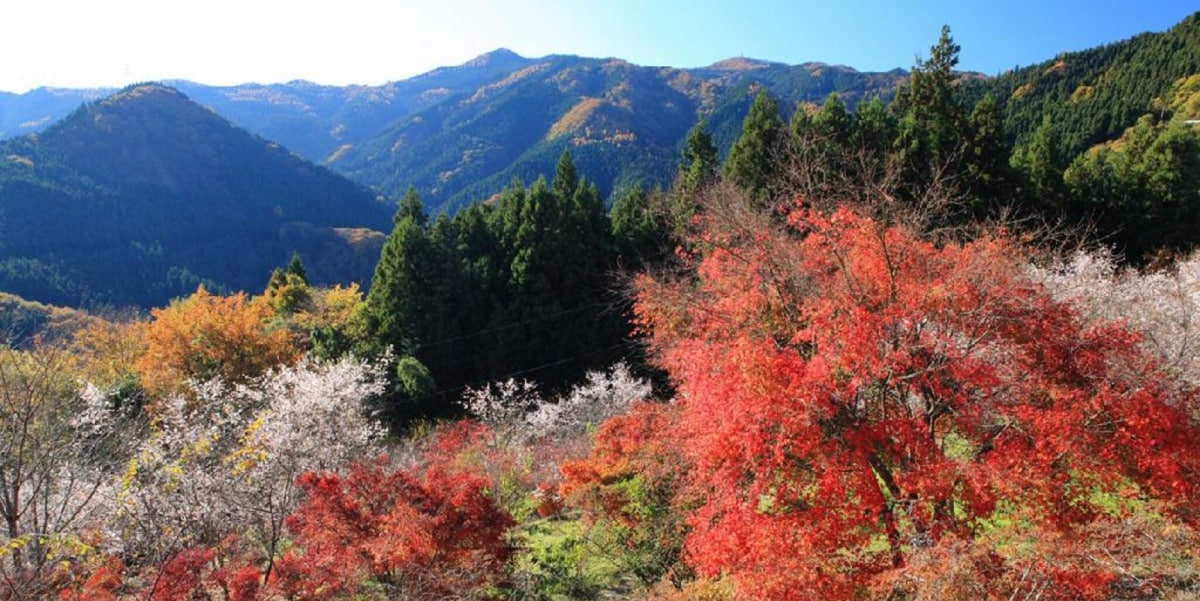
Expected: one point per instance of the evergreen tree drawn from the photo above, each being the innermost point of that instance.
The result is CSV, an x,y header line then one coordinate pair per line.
x,y
987,157
640,238
805,173
397,307
932,120
833,122
411,206
753,159
832,127
590,222
566,180
873,138
699,167
700,162
874,127
1040,165
413,378
513,287
296,268
1142,190
800,127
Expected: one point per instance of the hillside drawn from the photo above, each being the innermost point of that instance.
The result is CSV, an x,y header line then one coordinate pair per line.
x,y
314,121
21,320
462,133
623,123
144,195
38,109
1092,96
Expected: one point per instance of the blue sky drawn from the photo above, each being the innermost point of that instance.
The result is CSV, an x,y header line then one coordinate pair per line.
x,y
84,43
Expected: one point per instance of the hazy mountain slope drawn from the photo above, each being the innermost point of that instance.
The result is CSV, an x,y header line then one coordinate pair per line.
x,y
145,194
314,121
38,109
21,319
461,133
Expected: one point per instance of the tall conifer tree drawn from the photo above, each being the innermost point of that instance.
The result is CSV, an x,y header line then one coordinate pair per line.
x,y
753,159
396,302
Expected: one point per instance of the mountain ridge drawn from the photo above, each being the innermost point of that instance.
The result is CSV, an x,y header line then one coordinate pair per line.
x,y
460,133
145,194
331,124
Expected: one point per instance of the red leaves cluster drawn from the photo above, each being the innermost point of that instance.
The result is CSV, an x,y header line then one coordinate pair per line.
x,y
638,445
102,584
427,535
853,395
430,533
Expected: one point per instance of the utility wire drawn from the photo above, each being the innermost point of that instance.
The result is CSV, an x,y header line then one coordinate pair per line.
x,y
511,325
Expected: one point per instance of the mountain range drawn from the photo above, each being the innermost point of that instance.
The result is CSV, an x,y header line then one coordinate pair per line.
x,y
138,195
461,133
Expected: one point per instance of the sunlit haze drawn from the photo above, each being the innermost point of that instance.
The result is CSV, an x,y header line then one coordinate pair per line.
x,y
76,43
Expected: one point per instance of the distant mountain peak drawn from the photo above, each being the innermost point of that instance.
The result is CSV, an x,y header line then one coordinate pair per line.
x,y
740,63
818,67
491,64
144,91
497,55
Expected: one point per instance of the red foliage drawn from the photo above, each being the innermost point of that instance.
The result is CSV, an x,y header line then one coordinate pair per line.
x,y
549,502
183,576
628,487
103,584
449,442
241,572
244,584
427,534
230,571
852,395
639,445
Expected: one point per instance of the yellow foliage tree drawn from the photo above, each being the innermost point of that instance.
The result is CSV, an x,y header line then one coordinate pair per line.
x,y
204,336
108,351
340,308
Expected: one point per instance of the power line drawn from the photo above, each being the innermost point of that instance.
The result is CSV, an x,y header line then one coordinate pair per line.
x,y
511,325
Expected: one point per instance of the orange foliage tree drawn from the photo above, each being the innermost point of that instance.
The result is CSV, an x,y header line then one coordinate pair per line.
x,y
629,485
858,405
206,336
108,351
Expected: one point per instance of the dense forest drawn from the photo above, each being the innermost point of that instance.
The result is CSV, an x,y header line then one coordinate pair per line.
x,y
896,348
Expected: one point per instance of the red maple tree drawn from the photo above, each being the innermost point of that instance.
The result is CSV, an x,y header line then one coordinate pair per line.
x,y
856,399
424,535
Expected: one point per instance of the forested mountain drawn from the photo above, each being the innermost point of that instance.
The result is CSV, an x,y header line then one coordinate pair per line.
x,y
144,195
78,229
463,133
1107,137
1091,96
315,121
623,123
